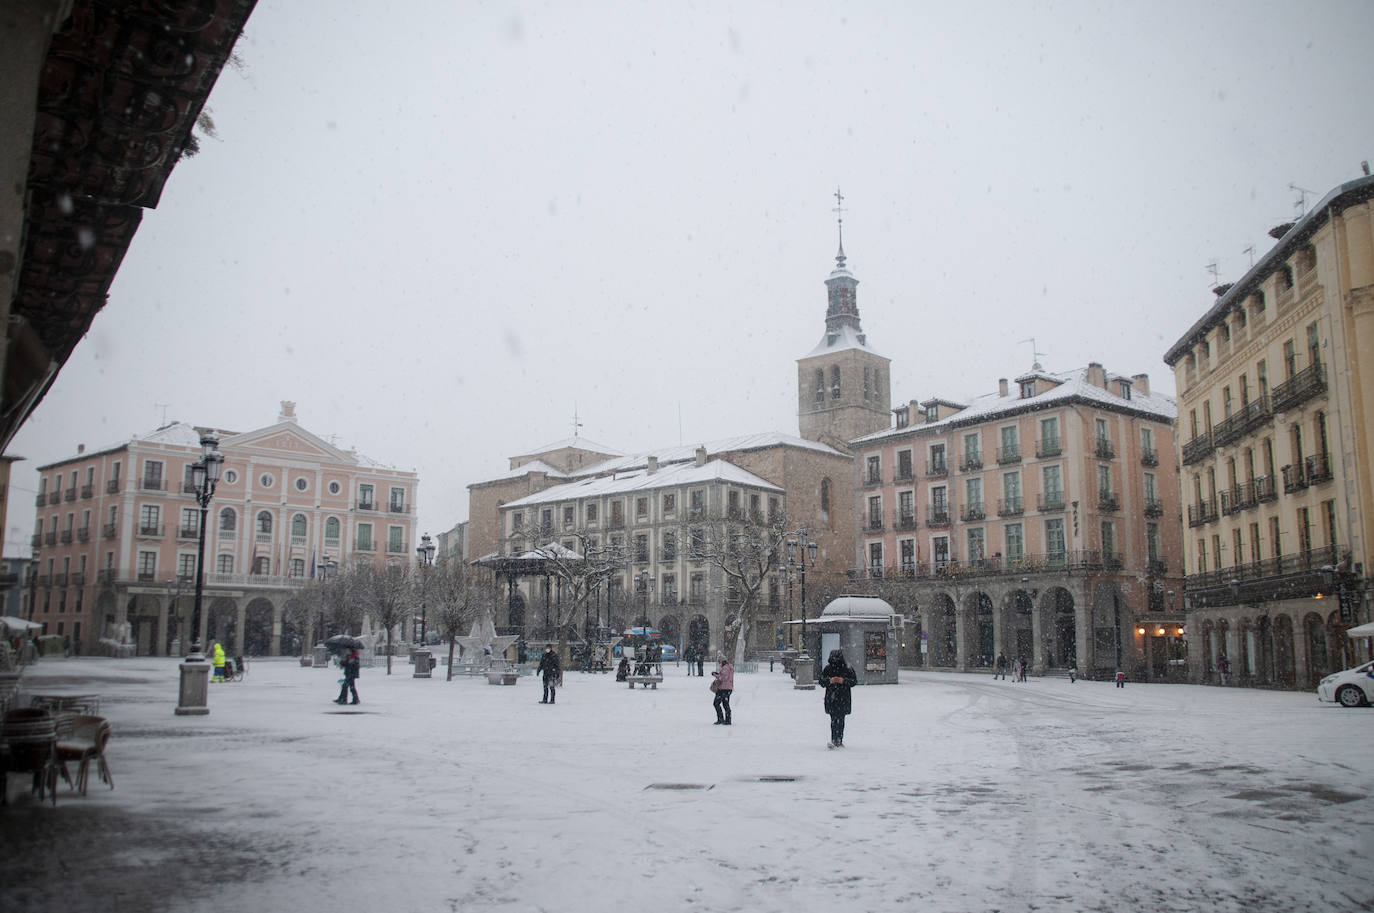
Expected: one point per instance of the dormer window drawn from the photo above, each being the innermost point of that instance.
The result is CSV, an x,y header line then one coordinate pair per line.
x,y
1027,389
901,418
1125,389
932,413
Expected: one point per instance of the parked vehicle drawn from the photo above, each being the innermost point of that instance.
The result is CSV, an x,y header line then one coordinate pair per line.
x,y
1349,688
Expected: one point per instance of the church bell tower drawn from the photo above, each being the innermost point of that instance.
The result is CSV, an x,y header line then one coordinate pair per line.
x,y
843,385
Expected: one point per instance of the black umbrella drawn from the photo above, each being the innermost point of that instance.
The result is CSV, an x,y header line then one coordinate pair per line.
x,y
343,642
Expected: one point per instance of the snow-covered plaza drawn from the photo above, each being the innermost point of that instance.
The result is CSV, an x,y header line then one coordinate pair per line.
x,y
953,793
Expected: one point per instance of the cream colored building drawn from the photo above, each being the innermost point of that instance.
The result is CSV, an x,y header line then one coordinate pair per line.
x,y
1276,435
1036,522
118,528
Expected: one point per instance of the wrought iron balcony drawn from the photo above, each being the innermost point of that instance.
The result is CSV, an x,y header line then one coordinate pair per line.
x,y
972,462
397,508
1052,501
108,531
1318,468
41,500
872,478
1293,479
1265,489
69,495
937,469
147,484
971,512
1048,447
937,515
1286,577
873,524
1197,448
1009,507
50,538
1202,512
1105,449
1149,456
906,521
55,497
66,537
188,532
1230,501
367,505
1007,455
1307,383
35,540
1107,500
903,475
87,492
1154,507
112,487
150,529
1157,566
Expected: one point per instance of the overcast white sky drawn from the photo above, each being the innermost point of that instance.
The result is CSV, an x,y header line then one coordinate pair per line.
x,y
441,227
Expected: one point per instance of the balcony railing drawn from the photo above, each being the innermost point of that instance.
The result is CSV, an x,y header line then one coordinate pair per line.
x,y
55,497
873,524
1105,449
1264,489
83,534
1157,566
872,478
1009,507
69,495
1154,507
150,529
971,462
66,537
78,578
50,538
937,469
87,491
1088,560
1007,455
937,515
906,521
1230,500
147,484
972,512
108,531
395,508
188,532
59,580
1050,502
1317,468
35,540
1202,512
1197,448
1048,447
1107,500
365,547
41,500
1149,456
367,505
1307,383
903,474
112,487
1285,577
1293,479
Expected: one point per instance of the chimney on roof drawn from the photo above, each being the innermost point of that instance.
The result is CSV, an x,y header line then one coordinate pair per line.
x,y
1096,375
1001,386
1141,382
288,411
653,465
701,456
80,449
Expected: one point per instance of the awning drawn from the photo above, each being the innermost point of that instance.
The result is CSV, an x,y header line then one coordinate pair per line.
x,y
18,624
1365,630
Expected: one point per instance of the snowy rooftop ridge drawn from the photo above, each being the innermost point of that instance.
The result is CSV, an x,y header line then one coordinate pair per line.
x,y
670,476
846,337
1072,384
575,441
685,452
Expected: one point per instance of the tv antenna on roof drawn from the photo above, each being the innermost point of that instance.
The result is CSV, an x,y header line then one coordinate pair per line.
x,y
1301,203
1251,251
576,422
1035,355
1215,271
163,407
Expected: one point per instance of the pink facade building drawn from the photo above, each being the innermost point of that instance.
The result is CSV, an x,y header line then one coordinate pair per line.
x,y
117,535
1035,522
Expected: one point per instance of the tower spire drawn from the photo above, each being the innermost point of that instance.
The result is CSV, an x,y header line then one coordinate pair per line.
x,y
839,211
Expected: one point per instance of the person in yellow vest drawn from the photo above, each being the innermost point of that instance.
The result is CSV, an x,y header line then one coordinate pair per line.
x,y
218,659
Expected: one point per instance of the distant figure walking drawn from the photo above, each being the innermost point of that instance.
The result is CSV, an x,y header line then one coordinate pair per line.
x,y
690,654
1223,667
217,657
622,671
1001,667
1073,672
1120,679
351,667
551,669
723,685
701,662
839,680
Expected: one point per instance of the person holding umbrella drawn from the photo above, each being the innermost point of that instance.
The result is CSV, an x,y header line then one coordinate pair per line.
x,y
351,665
839,679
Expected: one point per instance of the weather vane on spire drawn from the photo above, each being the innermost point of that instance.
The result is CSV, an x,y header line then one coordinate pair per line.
x,y
839,210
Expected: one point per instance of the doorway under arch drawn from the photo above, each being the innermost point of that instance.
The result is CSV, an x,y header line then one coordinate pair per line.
x,y
1061,634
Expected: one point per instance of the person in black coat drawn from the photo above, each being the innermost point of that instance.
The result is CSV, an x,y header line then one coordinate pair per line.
x,y
839,679
351,666
550,668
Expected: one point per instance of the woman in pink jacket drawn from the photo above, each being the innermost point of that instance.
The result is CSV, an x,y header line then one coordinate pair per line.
x,y
725,683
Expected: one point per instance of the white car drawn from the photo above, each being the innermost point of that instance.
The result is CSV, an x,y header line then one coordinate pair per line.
x,y
1351,688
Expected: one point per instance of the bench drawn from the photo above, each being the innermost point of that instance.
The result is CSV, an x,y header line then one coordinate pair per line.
x,y
648,681
502,677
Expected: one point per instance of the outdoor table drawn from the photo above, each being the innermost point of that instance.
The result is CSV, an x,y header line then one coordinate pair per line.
x,y
67,703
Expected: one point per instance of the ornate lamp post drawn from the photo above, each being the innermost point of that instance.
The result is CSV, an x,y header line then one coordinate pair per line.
x,y
645,582
426,554
195,672
801,554
326,566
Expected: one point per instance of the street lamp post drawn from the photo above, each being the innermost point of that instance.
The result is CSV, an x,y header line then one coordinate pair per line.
x,y
801,554
195,672
645,581
325,567
426,555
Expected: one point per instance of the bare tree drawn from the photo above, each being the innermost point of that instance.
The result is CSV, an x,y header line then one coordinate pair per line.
x,y
459,595
303,608
746,548
386,594
344,600
580,571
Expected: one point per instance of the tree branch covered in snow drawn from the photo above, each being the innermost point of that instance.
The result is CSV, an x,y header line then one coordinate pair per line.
x,y
746,547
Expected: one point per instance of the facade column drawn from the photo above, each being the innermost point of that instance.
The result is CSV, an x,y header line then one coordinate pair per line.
x,y
1083,633
1038,651
961,635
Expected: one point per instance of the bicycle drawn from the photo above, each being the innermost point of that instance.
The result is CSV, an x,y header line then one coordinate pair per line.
x,y
234,669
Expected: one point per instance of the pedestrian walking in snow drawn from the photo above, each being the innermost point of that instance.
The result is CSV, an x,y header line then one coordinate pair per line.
x,y
351,667
551,670
839,680
1073,672
701,662
1120,679
723,684
691,656
1001,667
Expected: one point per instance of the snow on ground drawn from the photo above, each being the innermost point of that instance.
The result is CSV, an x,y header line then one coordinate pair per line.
x,y
953,793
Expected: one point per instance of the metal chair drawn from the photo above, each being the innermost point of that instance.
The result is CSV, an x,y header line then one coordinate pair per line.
x,y
89,735
30,737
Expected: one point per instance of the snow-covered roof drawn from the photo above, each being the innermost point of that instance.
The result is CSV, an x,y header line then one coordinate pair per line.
x,y
844,337
686,452
1071,385
670,476
579,443
177,433
553,550
526,468
857,607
